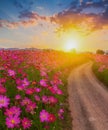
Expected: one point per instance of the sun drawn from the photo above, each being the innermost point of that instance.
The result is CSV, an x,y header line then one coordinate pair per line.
x,y
70,44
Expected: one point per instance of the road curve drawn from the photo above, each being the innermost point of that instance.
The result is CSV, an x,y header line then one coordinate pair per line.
x,y
88,99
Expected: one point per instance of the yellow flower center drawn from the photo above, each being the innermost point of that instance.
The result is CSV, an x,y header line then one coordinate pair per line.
x,y
12,121
2,101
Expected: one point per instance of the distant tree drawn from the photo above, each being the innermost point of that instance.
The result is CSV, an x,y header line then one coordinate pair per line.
x,y
99,51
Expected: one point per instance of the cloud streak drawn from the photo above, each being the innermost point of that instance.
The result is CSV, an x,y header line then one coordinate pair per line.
x,y
26,19
14,25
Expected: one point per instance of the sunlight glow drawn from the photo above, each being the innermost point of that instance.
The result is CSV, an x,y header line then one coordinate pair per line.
x,y
71,40
70,44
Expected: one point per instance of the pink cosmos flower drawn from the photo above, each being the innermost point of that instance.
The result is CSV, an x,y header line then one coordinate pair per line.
x,y
52,90
61,110
18,97
2,90
52,100
43,73
11,72
60,113
20,87
52,118
59,92
9,112
43,83
101,68
30,107
12,111
25,101
37,98
38,90
12,121
18,81
29,91
4,101
44,116
22,84
25,82
44,99
2,80
26,123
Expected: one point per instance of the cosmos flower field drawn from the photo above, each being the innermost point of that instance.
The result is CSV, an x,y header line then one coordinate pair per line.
x,y
100,67
32,94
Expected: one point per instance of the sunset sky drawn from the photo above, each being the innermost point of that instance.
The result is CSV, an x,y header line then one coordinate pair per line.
x,y
54,23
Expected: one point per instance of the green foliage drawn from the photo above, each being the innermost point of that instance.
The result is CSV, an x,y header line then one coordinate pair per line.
x,y
102,76
100,51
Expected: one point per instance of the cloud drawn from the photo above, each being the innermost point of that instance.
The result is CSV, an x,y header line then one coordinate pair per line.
x,y
29,15
14,25
32,15
76,17
26,19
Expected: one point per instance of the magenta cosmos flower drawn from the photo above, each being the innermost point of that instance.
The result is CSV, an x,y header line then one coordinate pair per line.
x,y
30,91
25,101
11,72
12,121
26,123
12,111
44,116
4,101
18,97
31,107
52,118
52,100
38,90
25,82
2,80
37,97
2,90
59,92
60,113
43,83
44,99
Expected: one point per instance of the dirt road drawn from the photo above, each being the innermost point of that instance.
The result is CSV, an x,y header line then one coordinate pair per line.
x,y
88,99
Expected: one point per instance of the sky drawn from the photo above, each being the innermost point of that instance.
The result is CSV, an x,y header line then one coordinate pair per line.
x,y
54,24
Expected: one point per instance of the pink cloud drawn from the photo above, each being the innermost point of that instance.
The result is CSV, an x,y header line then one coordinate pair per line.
x,y
14,25
27,19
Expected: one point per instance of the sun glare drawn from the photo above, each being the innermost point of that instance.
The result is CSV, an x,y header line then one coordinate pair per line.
x,y
70,44
71,40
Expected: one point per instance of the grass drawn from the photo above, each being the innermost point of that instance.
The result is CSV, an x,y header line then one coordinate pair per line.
x,y
102,76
